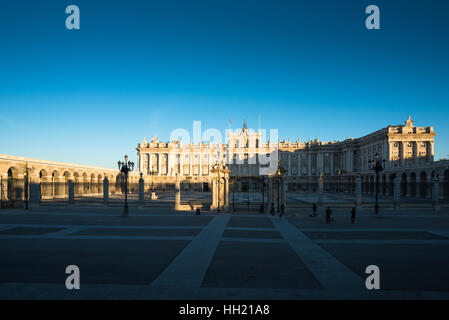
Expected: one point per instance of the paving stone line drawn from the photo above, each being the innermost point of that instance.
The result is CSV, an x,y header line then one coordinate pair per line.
x,y
53,291
330,272
82,226
380,241
190,266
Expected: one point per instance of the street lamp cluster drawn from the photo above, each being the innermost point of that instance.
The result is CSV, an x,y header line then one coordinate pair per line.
x,y
125,167
377,165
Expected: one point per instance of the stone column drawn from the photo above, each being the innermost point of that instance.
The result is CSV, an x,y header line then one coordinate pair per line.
x,y
331,163
289,159
358,190
71,193
436,194
402,153
35,195
141,192
320,161
350,165
190,164
226,193
396,193
177,194
214,194
309,164
181,164
105,192
320,190
283,197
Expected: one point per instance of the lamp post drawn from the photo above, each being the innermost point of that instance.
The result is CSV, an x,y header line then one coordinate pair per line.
x,y
279,174
125,167
234,182
26,174
377,165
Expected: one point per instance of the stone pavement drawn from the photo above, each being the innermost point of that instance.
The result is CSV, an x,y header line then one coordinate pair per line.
x,y
157,254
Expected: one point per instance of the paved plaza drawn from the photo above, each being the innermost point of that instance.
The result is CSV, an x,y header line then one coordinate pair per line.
x,y
158,254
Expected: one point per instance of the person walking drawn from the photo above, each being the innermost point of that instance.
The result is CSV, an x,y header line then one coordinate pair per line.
x,y
328,215
353,212
272,209
282,211
314,210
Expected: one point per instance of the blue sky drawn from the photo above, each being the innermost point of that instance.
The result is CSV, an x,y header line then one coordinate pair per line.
x,y
140,68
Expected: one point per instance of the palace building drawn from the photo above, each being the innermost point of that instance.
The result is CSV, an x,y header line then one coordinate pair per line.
x,y
399,145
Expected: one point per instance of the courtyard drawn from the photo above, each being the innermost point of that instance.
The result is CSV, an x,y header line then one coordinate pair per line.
x,y
156,253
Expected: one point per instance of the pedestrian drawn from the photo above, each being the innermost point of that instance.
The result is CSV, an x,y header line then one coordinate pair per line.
x,y
272,209
282,211
328,215
353,212
314,210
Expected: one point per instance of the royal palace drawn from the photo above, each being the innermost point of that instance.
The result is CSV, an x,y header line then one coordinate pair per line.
x,y
408,152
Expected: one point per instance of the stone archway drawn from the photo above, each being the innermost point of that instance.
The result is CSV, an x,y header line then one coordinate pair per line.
x,y
14,188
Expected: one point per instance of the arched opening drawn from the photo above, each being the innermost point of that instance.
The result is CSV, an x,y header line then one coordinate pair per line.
x,y
119,187
55,184
46,184
446,184
100,184
413,184
423,184
77,184
391,184
14,187
66,177
93,184
371,184
384,184
403,184
85,184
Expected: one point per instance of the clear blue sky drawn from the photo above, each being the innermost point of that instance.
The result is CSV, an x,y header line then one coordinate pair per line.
x,y
140,68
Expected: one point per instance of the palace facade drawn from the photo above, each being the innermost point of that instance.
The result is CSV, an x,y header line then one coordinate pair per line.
x,y
401,146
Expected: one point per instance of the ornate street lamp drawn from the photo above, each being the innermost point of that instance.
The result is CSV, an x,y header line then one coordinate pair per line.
x,y
377,165
279,173
125,167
